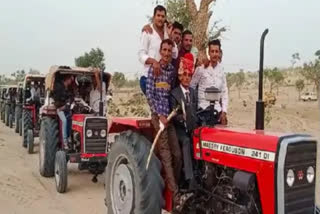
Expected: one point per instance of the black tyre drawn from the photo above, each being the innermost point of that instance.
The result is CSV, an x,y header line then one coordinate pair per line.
x,y
17,118
30,141
61,172
20,127
48,146
26,125
129,187
7,114
10,121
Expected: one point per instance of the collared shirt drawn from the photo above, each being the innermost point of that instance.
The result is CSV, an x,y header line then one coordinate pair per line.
x,y
95,98
207,77
184,91
158,89
150,48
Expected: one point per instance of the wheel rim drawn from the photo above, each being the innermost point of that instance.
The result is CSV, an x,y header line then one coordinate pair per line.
x,y
122,188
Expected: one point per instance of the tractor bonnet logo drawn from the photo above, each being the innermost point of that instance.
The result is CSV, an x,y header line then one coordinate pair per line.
x,y
300,175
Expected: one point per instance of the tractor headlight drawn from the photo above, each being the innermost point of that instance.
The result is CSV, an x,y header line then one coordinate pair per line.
x,y
103,133
290,178
89,133
310,174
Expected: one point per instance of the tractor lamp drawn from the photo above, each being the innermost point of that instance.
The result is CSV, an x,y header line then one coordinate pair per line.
x,y
290,178
310,174
103,133
212,94
89,133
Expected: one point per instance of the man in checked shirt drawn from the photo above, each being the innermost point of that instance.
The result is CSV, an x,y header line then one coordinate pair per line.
x,y
158,90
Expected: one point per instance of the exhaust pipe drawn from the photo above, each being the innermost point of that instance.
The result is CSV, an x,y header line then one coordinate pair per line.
x,y
260,103
101,102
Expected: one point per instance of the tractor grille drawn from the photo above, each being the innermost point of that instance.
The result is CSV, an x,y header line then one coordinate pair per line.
x,y
300,198
95,144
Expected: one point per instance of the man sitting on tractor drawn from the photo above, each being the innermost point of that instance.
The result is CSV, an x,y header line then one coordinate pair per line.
x,y
95,93
62,100
213,75
186,119
157,92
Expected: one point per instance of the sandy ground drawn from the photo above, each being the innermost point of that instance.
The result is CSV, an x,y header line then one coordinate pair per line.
x,y
24,191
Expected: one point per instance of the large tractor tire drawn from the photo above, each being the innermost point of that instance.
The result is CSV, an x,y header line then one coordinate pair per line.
x,y
26,125
20,127
17,116
30,141
61,172
7,115
129,187
48,144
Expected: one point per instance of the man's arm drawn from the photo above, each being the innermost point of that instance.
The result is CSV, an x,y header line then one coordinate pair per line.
x,y
173,105
150,91
196,78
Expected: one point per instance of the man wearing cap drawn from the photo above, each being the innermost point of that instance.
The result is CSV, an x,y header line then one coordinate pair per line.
x,y
213,75
186,120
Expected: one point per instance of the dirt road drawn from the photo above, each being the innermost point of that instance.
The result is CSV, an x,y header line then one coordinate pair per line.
x,y
24,191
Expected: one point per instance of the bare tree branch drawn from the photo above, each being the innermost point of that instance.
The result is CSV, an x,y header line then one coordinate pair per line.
x,y
192,7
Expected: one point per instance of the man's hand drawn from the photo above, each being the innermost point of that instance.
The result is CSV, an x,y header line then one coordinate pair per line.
x,y
147,28
163,120
223,118
156,68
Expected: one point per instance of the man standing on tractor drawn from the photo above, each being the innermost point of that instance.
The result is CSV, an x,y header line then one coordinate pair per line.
x,y
186,119
213,75
150,43
95,93
62,96
158,90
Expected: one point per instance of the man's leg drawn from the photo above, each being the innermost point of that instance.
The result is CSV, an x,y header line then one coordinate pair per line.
x,y
164,153
175,151
64,127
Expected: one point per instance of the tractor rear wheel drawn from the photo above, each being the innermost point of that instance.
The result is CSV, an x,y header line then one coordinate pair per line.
x,y
61,172
7,114
20,127
26,125
48,145
30,141
17,118
129,187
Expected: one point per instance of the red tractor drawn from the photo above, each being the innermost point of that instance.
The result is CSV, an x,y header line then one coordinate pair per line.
x,y
28,110
237,172
88,129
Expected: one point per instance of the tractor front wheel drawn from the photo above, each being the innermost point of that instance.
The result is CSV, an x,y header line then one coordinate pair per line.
x,y
20,127
61,172
48,145
26,125
17,119
129,187
7,115
30,141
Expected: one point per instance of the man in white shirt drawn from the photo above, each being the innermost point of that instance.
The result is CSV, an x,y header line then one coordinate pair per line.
x,y
95,93
149,51
213,75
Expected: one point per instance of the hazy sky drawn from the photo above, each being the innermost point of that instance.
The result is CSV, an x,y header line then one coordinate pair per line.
x,y
38,33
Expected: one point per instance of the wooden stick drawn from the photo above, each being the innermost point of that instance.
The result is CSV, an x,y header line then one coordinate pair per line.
x,y
171,115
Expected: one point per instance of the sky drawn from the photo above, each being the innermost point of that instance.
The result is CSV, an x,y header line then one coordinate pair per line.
x,y
37,34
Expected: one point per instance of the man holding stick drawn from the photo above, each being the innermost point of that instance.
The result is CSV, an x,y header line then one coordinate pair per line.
x,y
158,90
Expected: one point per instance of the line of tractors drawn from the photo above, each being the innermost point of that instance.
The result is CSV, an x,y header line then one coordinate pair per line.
x,y
236,171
